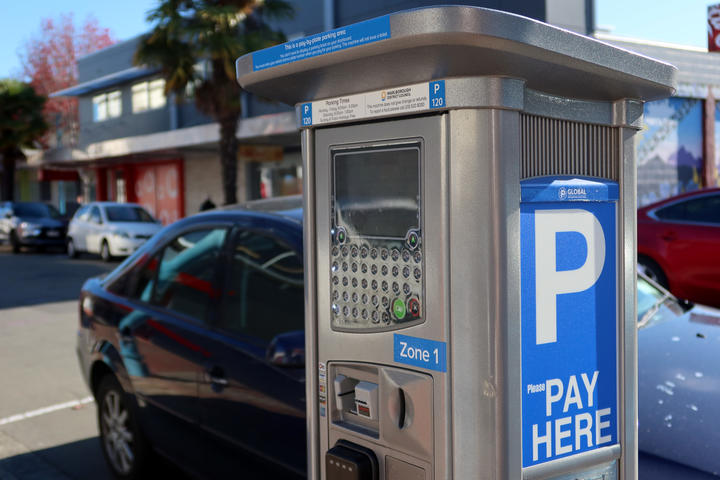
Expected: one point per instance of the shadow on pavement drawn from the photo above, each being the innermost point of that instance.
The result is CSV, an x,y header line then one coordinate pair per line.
x,y
32,278
77,460
81,460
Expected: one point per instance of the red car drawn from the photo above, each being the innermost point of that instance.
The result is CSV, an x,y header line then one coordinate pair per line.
x,y
679,245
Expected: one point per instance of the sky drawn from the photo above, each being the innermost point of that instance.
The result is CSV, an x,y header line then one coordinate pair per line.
x,y
20,21
674,21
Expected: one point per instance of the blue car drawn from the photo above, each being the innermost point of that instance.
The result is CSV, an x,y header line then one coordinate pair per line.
x,y
194,347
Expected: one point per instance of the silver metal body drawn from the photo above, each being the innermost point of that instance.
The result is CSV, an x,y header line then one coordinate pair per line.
x,y
521,100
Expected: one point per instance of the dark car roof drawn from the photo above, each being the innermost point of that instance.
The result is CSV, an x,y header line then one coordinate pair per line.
x,y
289,207
694,193
281,211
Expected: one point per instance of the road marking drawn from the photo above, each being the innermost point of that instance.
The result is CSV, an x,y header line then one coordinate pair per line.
x,y
45,410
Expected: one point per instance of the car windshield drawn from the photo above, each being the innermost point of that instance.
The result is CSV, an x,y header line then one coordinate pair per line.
x,y
648,297
35,210
128,214
655,304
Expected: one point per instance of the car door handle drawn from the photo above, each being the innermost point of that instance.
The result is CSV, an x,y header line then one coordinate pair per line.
x,y
669,236
216,376
217,380
126,334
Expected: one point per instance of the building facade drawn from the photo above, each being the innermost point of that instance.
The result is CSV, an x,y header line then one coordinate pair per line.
x,y
679,148
136,145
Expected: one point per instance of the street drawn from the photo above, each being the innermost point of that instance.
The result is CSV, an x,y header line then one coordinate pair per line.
x,y
42,434
48,428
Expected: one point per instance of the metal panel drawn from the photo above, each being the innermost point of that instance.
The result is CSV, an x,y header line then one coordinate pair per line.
x,y
560,147
358,348
309,255
485,324
628,309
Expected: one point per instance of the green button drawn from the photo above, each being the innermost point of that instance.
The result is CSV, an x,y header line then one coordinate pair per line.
x,y
399,309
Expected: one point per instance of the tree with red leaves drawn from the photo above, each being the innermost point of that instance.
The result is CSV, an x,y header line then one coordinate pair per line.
x,y
49,64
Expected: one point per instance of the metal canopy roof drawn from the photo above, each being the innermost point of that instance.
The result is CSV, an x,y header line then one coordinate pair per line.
x,y
457,41
105,82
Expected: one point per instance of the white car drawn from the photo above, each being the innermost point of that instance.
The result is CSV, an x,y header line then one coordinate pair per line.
x,y
110,229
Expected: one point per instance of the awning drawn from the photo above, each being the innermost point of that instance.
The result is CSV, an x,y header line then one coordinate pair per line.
x,y
105,82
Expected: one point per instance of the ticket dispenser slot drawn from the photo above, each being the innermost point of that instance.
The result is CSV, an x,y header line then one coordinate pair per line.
x,y
393,405
355,393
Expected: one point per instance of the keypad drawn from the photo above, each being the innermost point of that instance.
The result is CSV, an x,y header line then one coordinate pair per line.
x,y
376,285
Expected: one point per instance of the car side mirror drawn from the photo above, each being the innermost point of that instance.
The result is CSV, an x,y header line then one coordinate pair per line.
x,y
287,350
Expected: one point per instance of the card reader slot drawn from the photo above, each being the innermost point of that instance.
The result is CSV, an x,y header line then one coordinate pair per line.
x,y
401,413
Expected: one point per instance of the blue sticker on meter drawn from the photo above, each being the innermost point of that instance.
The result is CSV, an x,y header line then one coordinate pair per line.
x,y
361,33
436,94
569,328
306,114
420,352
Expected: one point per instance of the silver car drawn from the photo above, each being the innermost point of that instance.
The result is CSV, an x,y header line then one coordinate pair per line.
x,y
110,229
679,382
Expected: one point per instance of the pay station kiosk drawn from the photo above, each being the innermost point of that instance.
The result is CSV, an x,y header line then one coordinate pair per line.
x,y
469,221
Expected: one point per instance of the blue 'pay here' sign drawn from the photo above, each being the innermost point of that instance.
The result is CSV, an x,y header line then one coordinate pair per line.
x,y
569,327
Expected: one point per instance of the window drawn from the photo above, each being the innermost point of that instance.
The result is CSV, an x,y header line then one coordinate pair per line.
x,y
202,72
705,209
95,215
107,105
82,212
187,276
148,95
128,214
36,210
138,282
264,294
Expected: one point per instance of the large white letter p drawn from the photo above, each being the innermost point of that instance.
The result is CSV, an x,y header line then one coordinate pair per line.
x,y
549,282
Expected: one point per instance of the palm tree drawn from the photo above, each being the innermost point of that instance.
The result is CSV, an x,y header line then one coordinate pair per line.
x,y
187,32
21,125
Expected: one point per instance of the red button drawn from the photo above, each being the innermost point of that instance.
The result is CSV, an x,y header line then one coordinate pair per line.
x,y
414,307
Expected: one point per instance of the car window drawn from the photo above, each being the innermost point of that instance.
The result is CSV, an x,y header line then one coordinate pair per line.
x,y
138,282
187,275
647,297
264,289
128,213
705,209
95,215
82,212
35,210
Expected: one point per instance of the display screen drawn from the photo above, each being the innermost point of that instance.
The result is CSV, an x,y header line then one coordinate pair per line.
x,y
377,191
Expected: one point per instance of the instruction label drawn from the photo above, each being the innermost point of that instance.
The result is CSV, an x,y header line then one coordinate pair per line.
x,y
354,35
380,103
322,388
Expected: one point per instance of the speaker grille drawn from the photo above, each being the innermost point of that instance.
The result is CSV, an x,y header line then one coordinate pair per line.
x,y
561,147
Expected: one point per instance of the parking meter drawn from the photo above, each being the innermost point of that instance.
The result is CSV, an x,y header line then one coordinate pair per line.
x,y
469,183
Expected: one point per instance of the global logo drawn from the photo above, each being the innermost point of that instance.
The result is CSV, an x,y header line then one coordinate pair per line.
x,y
562,193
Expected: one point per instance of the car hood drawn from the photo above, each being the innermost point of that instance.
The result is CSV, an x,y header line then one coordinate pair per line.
x,y
678,386
43,221
135,228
